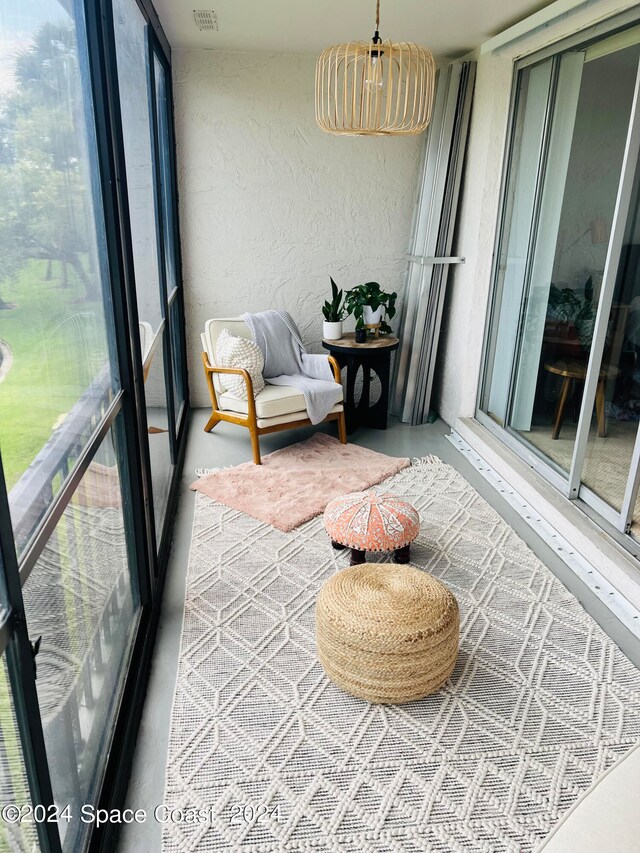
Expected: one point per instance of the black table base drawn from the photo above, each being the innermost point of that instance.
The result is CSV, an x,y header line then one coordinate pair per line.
x,y
372,360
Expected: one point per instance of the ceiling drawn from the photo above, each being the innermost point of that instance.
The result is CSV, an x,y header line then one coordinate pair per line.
x,y
449,28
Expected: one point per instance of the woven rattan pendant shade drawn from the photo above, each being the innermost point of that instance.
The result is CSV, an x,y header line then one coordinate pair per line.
x,y
374,88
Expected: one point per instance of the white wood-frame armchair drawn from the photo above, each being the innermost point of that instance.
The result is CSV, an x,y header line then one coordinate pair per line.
x,y
275,408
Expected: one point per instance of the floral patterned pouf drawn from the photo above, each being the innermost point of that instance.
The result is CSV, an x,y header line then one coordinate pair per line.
x,y
372,521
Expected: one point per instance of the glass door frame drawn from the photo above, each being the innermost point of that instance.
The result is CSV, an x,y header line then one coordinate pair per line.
x,y
127,416
570,485
120,416
621,211
105,74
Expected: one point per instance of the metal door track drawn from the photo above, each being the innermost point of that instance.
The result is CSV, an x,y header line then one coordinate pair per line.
x,y
615,602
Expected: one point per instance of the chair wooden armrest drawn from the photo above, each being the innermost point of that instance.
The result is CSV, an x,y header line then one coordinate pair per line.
x,y
335,367
240,371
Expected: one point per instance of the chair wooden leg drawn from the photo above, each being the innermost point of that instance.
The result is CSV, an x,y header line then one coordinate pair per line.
x,y
342,428
602,419
255,445
562,403
213,420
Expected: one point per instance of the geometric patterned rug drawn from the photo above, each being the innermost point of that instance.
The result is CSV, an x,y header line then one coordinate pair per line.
x,y
541,701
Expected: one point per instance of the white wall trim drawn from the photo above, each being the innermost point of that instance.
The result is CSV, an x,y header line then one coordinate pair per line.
x,y
534,22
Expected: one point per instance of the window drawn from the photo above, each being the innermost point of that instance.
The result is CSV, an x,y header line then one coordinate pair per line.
x,y
145,106
56,378
80,598
562,360
88,255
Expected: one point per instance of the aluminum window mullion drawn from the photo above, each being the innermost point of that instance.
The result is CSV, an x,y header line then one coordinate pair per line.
x,y
618,226
160,216
181,343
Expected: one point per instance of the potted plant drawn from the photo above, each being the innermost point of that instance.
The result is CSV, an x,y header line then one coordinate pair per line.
x,y
334,313
371,305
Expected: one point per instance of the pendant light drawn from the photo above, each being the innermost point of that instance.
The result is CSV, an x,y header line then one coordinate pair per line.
x,y
375,88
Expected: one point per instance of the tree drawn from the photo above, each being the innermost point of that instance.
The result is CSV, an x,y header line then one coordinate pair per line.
x,y
44,192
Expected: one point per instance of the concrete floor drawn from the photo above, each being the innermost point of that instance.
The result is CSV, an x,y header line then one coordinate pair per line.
x,y
229,445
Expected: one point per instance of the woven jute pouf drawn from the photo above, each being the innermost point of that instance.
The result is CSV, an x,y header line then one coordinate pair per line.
x,y
387,632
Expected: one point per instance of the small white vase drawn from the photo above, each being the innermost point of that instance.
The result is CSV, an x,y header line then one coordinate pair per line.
x,y
331,331
371,317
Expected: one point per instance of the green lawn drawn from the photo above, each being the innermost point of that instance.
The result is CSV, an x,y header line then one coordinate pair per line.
x,y
53,359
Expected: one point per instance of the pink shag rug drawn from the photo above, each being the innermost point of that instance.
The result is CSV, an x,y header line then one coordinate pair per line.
x,y
295,484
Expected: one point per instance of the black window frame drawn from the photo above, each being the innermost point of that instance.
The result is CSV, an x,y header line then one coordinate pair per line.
x,y
126,415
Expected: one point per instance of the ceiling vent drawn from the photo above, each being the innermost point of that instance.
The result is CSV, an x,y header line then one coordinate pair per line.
x,y
205,19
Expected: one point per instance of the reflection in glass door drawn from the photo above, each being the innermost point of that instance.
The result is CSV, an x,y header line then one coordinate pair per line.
x,y
563,366
612,434
152,237
528,136
593,105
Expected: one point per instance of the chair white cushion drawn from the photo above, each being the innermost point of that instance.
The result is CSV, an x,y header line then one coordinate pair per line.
x,y
234,351
274,401
606,816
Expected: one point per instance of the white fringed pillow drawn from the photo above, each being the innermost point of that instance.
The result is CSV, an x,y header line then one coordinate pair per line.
x,y
232,351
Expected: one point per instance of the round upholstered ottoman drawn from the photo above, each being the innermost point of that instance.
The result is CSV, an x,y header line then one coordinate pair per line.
x,y
372,521
387,633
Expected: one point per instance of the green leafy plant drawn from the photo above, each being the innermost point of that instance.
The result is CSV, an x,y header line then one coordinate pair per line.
x,y
371,294
570,306
335,310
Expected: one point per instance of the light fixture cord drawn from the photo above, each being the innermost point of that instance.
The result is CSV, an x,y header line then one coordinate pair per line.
x,y
376,36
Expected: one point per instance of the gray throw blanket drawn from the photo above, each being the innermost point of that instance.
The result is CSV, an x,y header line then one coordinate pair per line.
x,y
286,362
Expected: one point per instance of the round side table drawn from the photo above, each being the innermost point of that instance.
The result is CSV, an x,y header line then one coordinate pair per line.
x,y
374,355
574,370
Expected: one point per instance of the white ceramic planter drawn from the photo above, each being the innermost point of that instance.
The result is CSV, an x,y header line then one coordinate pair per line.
x,y
331,331
370,317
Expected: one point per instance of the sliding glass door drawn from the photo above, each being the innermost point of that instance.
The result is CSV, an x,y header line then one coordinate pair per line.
x,y
610,443
93,402
61,408
132,53
562,364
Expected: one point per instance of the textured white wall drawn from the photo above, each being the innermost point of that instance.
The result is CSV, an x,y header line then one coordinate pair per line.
x,y
270,205
469,287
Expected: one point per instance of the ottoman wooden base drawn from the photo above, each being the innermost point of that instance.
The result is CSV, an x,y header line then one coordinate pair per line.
x,y
401,555
386,632
357,557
